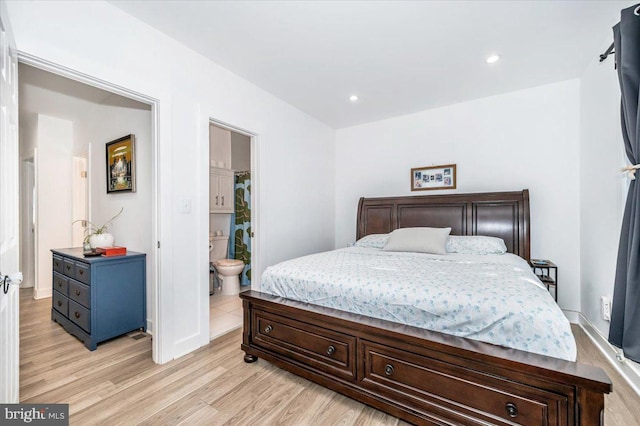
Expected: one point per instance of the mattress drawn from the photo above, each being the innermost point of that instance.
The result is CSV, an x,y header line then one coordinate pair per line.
x,y
490,298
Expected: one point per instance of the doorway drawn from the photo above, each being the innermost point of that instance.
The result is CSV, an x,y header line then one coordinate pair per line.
x,y
232,219
86,114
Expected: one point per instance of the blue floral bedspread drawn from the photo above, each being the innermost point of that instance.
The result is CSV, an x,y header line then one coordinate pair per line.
x,y
490,298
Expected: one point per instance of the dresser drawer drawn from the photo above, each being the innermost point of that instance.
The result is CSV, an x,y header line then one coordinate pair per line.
x,y
408,377
319,348
60,283
60,303
68,267
57,263
80,293
80,315
83,273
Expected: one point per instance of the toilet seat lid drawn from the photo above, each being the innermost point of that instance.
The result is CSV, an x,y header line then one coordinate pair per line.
x,y
228,262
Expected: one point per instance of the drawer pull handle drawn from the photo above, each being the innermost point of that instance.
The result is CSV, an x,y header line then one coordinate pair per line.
x,y
77,315
331,350
68,267
59,302
81,271
77,292
268,329
59,284
512,410
388,369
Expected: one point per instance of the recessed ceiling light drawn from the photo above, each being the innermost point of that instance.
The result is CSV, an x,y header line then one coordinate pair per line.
x,y
353,98
493,58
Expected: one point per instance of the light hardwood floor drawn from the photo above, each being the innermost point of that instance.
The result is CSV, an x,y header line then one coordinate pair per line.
x,y
118,384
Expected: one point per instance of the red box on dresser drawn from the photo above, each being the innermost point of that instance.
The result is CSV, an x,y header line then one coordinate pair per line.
x,y
112,251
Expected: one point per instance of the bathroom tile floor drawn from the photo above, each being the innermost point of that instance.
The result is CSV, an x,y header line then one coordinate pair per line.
x,y
225,314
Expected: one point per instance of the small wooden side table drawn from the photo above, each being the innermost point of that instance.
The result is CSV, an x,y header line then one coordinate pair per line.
x,y
547,272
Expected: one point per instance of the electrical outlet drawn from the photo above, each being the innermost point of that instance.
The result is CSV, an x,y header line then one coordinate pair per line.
x,y
605,304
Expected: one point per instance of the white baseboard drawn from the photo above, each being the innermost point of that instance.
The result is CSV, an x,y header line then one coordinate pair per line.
x,y
42,293
572,316
188,345
629,370
150,327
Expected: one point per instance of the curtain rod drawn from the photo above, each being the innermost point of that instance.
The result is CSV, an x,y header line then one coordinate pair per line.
x,y
608,52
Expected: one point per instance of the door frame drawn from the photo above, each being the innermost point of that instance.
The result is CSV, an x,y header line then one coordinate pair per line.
x,y
158,353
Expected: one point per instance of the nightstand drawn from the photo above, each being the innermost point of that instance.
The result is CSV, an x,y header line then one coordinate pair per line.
x,y
547,272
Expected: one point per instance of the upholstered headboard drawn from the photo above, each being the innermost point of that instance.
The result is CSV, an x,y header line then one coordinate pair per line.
x,y
497,214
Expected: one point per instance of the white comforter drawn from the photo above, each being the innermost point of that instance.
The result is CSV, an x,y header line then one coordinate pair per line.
x,y
491,298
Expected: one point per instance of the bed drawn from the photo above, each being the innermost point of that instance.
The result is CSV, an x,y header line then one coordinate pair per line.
x,y
419,375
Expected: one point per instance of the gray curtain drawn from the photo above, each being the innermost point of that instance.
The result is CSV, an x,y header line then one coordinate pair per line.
x,y
624,331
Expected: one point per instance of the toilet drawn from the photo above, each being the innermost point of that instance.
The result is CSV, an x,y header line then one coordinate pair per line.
x,y
228,269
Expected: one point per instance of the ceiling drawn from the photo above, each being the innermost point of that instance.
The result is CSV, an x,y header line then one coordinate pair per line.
x,y
399,57
42,92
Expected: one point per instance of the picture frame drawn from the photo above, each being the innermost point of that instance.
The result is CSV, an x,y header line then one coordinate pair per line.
x,y
121,165
433,177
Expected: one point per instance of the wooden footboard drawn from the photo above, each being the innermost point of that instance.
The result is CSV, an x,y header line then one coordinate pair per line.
x,y
420,376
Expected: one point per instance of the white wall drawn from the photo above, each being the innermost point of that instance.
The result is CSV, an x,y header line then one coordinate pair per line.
x,y
132,229
104,124
603,187
240,152
28,139
100,40
220,147
27,230
525,139
53,183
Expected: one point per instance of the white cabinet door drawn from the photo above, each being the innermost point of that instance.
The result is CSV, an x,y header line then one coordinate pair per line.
x,y
221,190
9,205
214,197
226,193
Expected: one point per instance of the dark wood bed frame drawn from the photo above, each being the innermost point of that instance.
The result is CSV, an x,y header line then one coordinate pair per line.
x,y
421,376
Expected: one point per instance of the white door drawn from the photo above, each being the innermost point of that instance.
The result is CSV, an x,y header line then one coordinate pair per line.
x,y
9,229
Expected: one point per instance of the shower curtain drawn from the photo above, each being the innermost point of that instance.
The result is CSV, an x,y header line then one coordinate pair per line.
x,y
241,225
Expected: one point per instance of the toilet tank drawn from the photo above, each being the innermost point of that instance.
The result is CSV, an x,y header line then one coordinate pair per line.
x,y
219,248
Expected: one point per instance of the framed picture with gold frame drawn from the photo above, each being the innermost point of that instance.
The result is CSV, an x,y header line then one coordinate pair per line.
x,y
121,165
433,177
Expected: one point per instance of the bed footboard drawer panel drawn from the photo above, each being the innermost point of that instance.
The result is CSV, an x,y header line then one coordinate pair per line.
x,y
319,348
463,393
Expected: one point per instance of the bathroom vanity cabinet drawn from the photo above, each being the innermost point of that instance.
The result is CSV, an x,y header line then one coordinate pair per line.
x,y
98,298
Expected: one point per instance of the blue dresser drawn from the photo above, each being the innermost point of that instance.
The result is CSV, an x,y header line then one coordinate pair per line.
x,y
98,298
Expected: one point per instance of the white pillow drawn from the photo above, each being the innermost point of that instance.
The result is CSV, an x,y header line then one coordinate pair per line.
x,y
419,240
373,241
475,244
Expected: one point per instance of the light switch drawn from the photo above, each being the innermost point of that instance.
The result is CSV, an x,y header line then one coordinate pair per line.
x,y
185,205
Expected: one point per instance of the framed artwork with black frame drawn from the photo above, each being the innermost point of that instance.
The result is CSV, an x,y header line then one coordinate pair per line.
x,y
433,177
121,165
